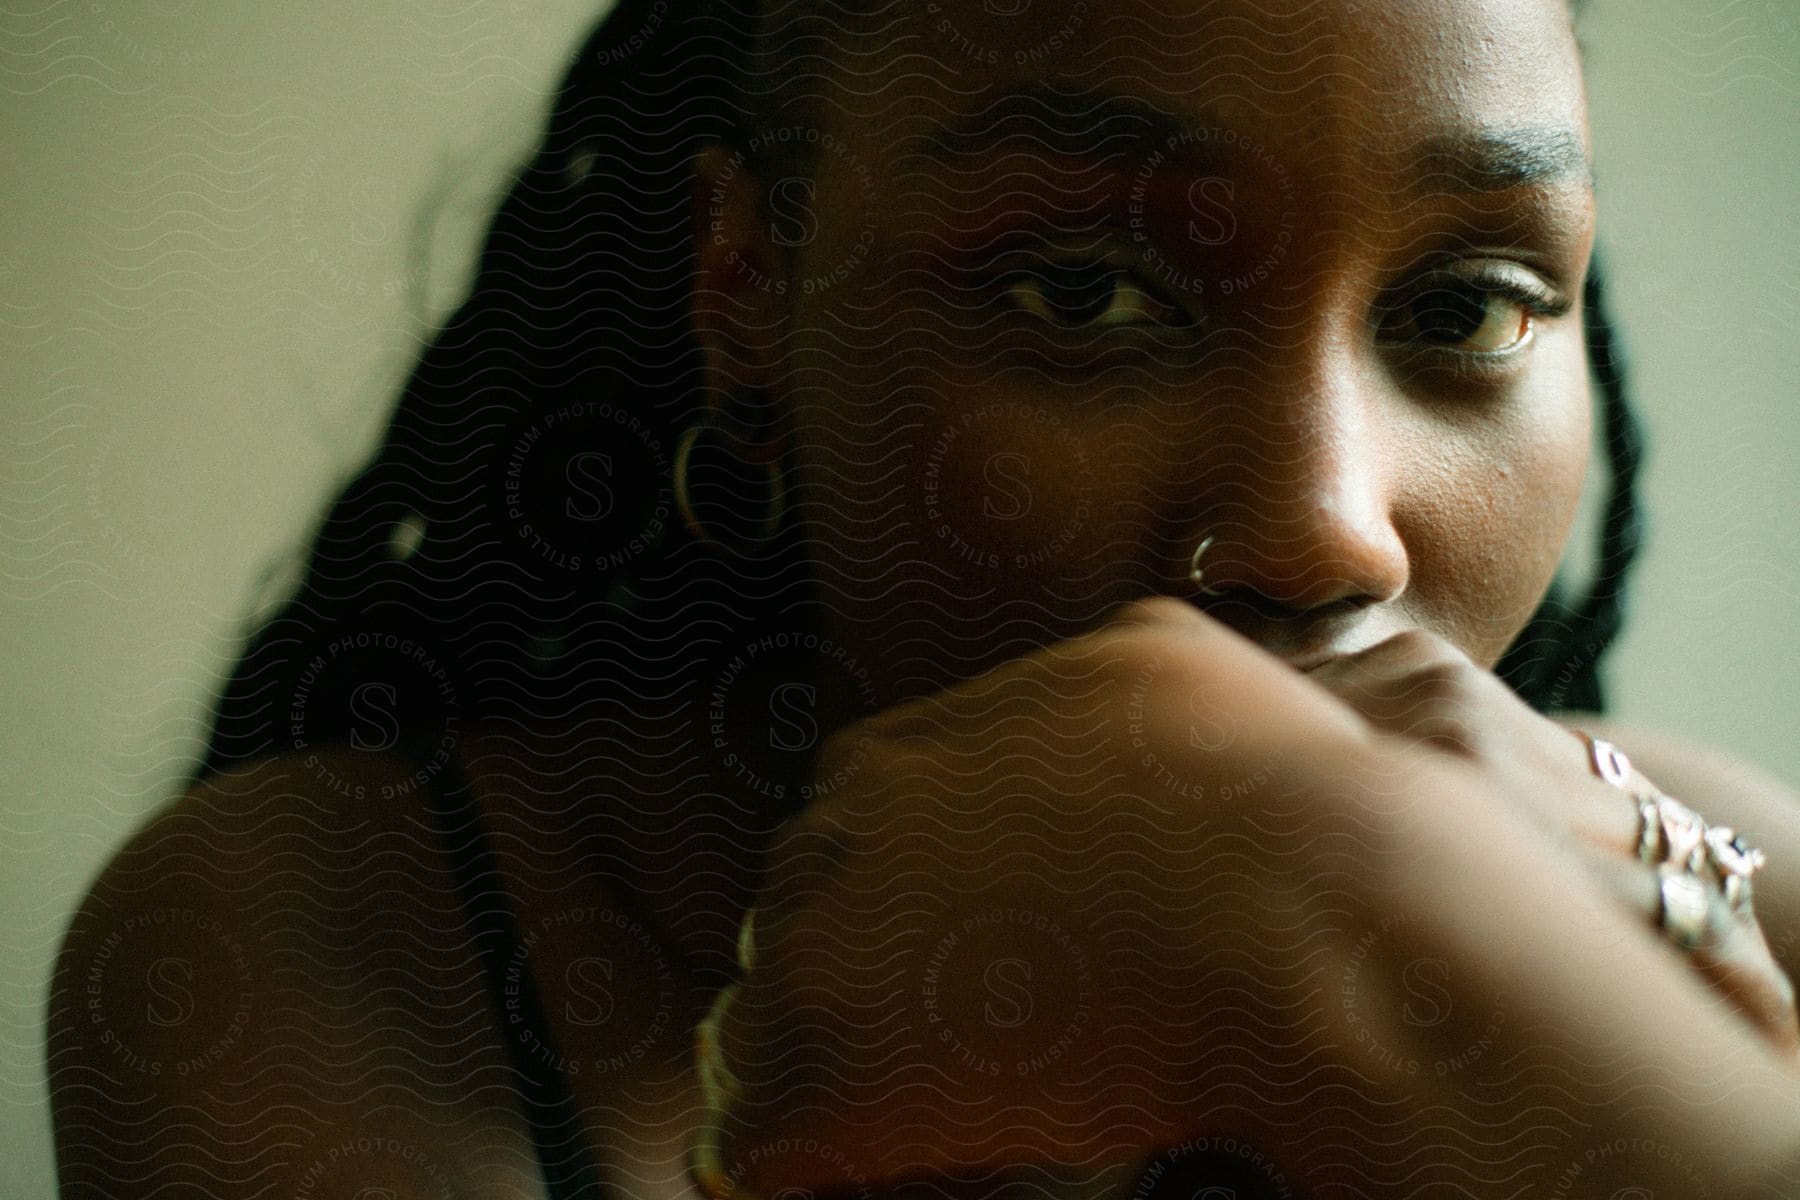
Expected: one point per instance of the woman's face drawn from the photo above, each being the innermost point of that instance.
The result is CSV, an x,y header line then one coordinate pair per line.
x,y
1079,283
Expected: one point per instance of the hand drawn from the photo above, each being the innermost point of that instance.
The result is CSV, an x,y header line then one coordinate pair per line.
x,y
1420,688
1116,894
1061,823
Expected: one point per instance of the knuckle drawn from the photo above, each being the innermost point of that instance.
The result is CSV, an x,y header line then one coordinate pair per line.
x,y
1439,701
1441,682
1729,940
1148,641
1415,666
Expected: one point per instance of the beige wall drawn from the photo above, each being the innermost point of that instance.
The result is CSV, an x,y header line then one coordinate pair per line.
x,y
208,295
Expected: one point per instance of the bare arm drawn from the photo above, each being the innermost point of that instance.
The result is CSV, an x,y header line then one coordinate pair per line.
x,y
1269,919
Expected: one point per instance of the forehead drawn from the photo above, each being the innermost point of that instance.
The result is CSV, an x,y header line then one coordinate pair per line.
x,y
1349,83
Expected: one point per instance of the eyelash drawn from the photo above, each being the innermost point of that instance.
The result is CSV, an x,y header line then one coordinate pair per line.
x,y
1004,269
1537,300
1007,269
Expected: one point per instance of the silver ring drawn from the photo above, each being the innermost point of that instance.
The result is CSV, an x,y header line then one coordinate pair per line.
x,y
1651,849
1609,761
1684,834
1734,862
1685,903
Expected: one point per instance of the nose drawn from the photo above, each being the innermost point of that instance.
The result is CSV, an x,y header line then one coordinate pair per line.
x,y
1294,479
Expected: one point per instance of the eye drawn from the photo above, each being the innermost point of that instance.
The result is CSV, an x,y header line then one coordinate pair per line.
x,y
1488,314
1091,293
1467,319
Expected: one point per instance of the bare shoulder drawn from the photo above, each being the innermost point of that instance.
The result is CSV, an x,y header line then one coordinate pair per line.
x,y
253,851
270,986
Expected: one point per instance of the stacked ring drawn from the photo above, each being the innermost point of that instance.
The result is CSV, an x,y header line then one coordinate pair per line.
x,y
1673,833
1683,832
1674,838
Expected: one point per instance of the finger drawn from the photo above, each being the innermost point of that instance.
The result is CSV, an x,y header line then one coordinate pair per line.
x,y
1607,819
1608,765
1744,968
1153,645
1424,690
1732,955
1078,657
1603,814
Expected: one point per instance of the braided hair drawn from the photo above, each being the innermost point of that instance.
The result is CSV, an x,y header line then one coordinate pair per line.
x,y
512,548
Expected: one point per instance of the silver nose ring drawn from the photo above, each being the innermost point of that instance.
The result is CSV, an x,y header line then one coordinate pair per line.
x,y
1195,571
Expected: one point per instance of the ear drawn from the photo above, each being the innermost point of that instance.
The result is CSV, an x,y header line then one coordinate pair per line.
x,y
740,283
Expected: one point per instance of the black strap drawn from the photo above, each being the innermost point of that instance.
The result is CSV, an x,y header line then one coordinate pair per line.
x,y
570,1172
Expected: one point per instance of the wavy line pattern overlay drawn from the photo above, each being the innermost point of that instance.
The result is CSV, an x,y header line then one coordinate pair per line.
x,y
961,604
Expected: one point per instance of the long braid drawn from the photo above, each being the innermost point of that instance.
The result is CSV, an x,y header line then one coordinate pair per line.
x,y
1622,529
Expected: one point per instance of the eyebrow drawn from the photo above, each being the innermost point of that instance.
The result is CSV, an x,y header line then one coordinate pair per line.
x,y
1498,160
1100,125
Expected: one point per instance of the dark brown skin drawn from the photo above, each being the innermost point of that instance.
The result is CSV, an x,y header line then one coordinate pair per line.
x,y
1358,484
1391,503
1241,957
1394,507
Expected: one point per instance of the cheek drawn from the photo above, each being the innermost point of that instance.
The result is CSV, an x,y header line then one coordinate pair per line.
x,y
975,478
971,519
1494,524
1549,466
988,494
1005,484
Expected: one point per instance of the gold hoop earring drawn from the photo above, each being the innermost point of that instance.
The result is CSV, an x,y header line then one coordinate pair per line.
x,y
760,532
